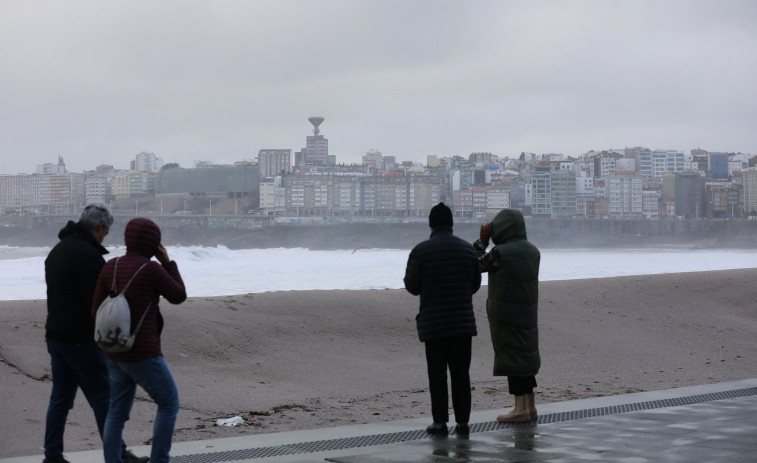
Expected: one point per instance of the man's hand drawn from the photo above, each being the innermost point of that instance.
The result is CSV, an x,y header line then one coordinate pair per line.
x,y
486,232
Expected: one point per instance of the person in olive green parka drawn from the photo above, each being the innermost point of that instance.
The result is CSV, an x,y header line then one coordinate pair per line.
x,y
512,306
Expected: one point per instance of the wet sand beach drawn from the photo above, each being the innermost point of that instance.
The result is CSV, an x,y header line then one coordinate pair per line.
x,y
309,359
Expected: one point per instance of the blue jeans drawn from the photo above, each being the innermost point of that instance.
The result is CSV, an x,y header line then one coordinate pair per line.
x,y
75,366
153,376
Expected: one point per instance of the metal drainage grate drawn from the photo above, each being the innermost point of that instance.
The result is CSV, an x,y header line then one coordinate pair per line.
x,y
405,436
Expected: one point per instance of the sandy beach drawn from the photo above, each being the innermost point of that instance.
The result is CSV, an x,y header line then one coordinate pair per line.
x,y
308,359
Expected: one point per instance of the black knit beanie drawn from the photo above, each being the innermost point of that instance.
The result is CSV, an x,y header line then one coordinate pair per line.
x,y
440,216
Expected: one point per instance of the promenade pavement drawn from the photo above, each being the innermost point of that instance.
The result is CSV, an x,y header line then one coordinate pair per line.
x,y
709,423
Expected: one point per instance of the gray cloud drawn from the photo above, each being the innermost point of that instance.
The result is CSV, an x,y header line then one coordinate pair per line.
x,y
101,81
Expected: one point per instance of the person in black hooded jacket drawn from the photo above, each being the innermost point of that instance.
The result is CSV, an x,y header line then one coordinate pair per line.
x,y
71,271
444,272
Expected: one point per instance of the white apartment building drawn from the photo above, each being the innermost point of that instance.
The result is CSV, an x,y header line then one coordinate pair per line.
x,y
24,192
373,159
584,186
496,200
626,165
651,205
147,162
654,164
587,168
675,161
51,169
348,195
626,196
541,187
96,189
606,166
57,194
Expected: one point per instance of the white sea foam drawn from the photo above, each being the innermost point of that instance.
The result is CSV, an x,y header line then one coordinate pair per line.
x,y
220,271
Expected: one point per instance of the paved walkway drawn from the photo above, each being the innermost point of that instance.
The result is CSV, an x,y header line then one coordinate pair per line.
x,y
710,423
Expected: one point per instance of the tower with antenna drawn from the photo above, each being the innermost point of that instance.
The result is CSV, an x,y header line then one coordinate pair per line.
x,y
317,148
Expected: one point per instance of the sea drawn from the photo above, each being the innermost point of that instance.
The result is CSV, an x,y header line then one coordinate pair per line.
x,y
219,271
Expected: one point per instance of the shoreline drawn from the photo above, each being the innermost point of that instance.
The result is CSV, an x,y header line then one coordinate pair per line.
x,y
306,359
544,233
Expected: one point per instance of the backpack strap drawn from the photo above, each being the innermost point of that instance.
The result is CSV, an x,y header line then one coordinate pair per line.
x,y
115,271
136,329
132,277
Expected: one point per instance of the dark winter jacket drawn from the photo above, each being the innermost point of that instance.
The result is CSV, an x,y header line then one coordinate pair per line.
x,y
142,238
444,271
513,299
71,271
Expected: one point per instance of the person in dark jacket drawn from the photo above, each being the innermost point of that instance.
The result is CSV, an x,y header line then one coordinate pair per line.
x,y
444,272
511,306
71,271
144,364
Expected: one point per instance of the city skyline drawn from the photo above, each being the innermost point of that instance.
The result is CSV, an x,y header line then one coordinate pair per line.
x,y
196,81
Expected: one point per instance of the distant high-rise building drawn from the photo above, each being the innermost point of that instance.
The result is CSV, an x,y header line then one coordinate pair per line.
x,y
718,165
147,162
626,195
317,147
541,187
389,163
750,191
651,204
274,162
484,158
97,189
373,159
689,189
272,195
563,194
52,169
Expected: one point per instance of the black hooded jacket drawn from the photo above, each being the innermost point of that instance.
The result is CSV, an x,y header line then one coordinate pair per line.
x,y
444,271
71,271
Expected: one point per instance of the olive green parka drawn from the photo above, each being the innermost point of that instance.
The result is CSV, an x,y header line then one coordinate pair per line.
x,y
513,299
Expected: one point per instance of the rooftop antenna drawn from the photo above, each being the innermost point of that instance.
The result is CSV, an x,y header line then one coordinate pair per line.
x,y
316,121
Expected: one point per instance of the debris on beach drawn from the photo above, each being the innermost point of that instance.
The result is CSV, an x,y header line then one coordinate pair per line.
x,y
233,421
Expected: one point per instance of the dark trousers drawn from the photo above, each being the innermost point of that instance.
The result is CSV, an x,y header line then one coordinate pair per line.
x,y
75,366
454,353
521,385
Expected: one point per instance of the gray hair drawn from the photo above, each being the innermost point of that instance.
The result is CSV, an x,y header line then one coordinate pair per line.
x,y
94,215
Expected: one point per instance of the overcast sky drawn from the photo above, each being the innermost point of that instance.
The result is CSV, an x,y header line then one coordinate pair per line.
x,y
99,81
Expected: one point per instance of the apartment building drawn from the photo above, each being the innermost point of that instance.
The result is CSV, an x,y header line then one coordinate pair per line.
x,y
650,204
625,195
340,195
750,191
53,194
273,162
374,159
563,194
689,195
147,162
97,189
541,192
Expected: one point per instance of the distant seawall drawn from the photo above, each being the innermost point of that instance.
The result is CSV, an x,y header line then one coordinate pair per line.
x,y
43,230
